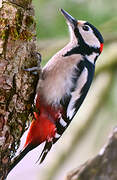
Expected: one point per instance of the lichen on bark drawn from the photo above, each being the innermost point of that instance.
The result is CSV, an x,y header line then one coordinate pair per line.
x,y
17,87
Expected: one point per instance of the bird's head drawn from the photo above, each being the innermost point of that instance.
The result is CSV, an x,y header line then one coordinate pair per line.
x,y
84,35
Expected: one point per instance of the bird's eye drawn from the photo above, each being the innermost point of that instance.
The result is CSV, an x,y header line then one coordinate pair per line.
x,y
85,28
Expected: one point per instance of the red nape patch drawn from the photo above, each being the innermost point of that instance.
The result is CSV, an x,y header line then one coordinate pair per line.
x,y
101,47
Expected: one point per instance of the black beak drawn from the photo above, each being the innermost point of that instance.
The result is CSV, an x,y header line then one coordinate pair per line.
x,y
73,22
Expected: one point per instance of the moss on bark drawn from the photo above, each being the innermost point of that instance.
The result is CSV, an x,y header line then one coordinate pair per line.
x,y
17,87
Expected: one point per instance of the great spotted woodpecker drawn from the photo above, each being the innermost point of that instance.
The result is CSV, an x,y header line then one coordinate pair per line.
x,y
65,81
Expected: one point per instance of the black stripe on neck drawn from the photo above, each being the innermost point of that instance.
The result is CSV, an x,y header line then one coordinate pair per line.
x,y
89,65
82,48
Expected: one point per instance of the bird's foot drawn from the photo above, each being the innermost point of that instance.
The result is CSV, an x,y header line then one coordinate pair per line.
x,y
35,70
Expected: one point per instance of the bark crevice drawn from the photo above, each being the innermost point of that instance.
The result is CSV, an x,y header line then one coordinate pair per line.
x,y
17,87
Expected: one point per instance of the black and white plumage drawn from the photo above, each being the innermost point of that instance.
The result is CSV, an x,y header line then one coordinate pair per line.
x,y
83,72
83,50
69,74
66,79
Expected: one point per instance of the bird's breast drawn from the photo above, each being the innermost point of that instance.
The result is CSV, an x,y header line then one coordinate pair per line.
x,y
57,79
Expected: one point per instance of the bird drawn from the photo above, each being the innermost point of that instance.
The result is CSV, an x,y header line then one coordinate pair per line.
x,y
63,86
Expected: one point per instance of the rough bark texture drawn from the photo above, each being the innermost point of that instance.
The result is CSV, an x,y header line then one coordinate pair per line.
x,y
101,167
17,87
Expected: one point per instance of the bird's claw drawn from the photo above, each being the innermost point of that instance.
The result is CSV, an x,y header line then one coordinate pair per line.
x,y
35,70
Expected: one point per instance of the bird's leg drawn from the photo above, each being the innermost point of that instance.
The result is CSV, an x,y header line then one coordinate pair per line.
x,y
38,72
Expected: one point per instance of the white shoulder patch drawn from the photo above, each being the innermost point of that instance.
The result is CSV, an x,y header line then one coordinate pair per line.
x,y
77,93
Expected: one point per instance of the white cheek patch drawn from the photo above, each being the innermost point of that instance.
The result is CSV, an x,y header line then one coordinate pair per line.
x,y
89,38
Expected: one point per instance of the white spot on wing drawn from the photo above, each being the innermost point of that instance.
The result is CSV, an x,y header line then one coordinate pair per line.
x,y
57,135
62,122
70,113
46,150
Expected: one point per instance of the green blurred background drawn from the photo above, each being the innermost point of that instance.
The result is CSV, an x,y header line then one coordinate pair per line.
x,y
96,118
52,32
98,115
50,23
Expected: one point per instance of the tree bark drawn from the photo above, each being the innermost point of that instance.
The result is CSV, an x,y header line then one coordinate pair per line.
x,y
101,167
17,87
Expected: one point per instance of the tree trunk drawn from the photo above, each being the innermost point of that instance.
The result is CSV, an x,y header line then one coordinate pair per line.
x,y
17,87
101,167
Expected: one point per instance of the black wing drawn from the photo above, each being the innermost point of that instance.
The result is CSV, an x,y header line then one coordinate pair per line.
x,y
82,78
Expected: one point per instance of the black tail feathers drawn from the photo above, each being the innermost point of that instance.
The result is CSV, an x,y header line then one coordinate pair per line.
x,y
28,148
45,151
